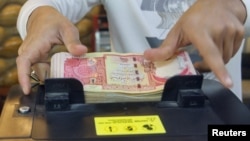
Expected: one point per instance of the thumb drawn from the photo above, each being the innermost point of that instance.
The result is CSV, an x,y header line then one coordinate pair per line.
x,y
72,42
167,48
76,49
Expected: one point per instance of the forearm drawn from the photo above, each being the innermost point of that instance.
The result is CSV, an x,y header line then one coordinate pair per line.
x,y
247,22
74,10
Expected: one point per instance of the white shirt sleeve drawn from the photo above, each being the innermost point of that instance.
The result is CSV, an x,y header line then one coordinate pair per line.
x,y
247,23
74,10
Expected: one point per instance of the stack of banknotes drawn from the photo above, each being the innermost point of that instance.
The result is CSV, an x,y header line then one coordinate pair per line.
x,y
115,77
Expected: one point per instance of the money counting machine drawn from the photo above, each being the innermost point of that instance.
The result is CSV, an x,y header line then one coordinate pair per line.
x,y
57,111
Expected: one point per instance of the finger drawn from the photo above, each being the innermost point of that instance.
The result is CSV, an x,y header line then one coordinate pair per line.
x,y
212,56
159,54
167,48
70,37
30,52
202,67
228,43
233,40
23,69
42,70
238,38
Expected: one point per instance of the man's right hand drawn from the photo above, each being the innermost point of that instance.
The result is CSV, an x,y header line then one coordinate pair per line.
x,y
46,27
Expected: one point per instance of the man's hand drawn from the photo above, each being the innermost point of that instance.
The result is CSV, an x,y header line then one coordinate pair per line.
x,y
46,27
215,28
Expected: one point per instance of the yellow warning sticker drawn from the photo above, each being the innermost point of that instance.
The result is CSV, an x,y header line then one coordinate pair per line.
x,y
128,125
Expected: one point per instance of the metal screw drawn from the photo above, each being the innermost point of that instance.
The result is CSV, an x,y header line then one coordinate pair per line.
x,y
24,109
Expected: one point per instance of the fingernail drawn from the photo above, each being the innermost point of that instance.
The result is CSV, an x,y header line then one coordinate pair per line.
x,y
228,82
25,90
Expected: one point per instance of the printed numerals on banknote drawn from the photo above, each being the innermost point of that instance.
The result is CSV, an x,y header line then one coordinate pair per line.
x,y
123,73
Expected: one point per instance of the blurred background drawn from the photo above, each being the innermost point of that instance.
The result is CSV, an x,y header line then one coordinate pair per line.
x,y
93,33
